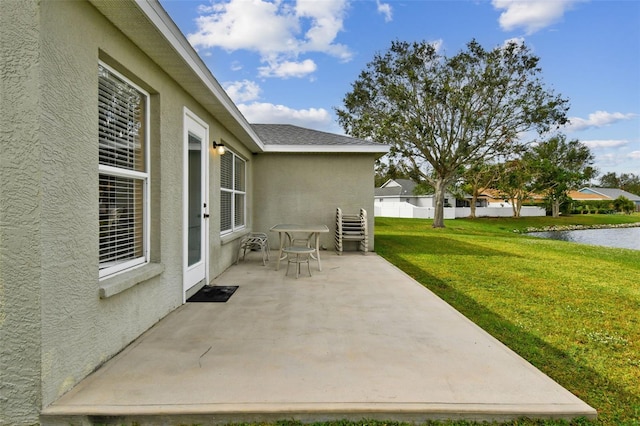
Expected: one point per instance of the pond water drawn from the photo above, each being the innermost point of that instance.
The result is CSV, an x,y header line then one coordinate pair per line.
x,y
611,237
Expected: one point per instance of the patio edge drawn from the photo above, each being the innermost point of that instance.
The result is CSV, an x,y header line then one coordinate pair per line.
x,y
311,412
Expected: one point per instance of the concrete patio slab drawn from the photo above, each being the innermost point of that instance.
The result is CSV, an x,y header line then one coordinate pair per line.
x,y
359,339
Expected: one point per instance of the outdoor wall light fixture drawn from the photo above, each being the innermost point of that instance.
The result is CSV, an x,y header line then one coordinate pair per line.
x,y
219,147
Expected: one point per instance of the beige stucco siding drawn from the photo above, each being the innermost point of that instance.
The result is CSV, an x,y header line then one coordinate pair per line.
x,y
55,328
73,316
58,320
20,213
307,189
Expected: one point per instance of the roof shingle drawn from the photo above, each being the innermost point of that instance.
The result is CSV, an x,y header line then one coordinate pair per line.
x,y
611,193
289,135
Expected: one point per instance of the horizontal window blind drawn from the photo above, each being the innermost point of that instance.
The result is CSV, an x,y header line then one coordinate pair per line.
x,y
123,175
226,171
121,213
121,112
232,192
226,223
239,174
239,210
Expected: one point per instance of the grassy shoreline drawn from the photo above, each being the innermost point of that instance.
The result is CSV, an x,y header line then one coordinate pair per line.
x,y
571,310
578,227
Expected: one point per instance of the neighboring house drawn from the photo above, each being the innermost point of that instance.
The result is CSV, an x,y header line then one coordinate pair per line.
x,y
395,199
594,193
115,206
401,191
582,196
496,198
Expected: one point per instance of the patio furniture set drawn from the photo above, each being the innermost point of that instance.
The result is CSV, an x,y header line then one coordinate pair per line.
x,y
301,243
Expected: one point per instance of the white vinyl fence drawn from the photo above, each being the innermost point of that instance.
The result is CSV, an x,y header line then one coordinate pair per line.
x,y
398,209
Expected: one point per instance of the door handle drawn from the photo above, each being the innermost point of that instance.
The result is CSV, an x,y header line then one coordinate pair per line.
x,y
206,215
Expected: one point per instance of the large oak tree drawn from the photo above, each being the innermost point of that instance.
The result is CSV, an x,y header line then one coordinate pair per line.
x,y
443,114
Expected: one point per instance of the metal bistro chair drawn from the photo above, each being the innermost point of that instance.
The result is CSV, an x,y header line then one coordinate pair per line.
x,y
299,252
256,241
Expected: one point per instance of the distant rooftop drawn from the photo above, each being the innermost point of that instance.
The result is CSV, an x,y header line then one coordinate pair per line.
x,y
396,187
611,193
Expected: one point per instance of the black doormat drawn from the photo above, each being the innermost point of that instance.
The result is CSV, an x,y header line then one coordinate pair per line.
x,y
216,293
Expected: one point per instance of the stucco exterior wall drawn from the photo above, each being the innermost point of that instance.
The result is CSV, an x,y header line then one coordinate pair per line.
x,y
73,316
20,213
54,326
307,188
57,324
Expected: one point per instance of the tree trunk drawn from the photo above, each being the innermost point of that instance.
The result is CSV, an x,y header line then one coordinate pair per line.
x,y
513,207
516,204
474,199
438,216
555,207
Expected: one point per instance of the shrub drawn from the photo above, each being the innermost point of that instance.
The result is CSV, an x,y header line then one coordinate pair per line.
x,y
623,204
593,206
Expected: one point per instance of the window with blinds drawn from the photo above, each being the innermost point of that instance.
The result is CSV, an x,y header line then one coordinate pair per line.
x,y
123,172
232,192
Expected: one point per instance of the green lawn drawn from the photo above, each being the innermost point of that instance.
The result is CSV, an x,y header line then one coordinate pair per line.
x,y
571,310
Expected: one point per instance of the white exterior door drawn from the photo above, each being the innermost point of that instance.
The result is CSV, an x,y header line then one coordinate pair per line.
x,y
196,202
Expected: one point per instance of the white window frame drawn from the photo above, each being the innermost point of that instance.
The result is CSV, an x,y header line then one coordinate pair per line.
x,y
144,177
234,191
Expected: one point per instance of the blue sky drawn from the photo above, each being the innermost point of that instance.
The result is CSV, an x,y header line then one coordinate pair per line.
x,y
293,61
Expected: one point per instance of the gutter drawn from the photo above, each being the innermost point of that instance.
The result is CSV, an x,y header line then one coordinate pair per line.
x,y
360,149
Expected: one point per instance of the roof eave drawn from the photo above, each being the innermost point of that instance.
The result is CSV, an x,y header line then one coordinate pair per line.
x,y
592,189
180,61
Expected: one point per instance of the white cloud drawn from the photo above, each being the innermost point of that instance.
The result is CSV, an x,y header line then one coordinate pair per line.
x,y
288,69
604,144
608,158
617,160
634,155
385,9
314,118
597,119
286,30
532,15
326,18
232,25
242,91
